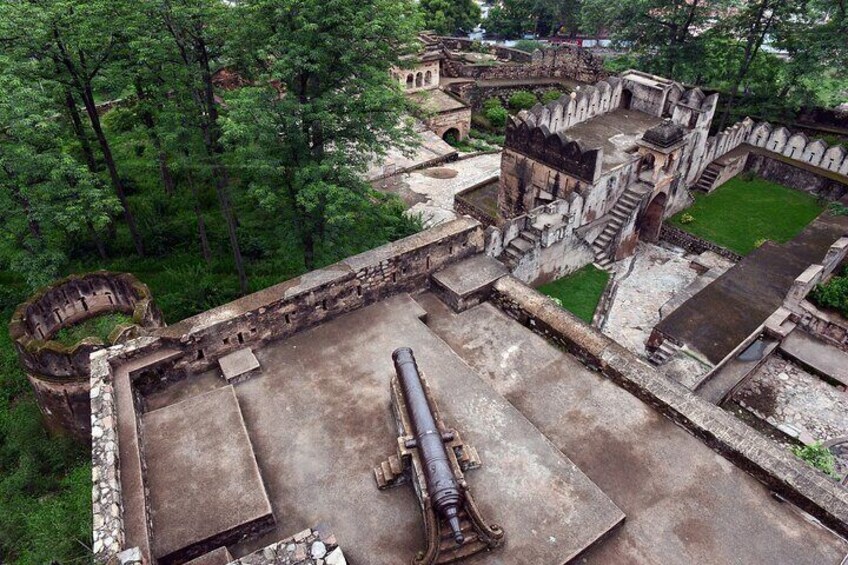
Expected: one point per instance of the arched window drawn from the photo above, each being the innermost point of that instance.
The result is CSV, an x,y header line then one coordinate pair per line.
x,y
428,78
410,80
419,79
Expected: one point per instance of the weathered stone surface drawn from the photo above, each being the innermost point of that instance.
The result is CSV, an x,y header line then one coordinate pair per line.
x,y
204,485
779,470
239,365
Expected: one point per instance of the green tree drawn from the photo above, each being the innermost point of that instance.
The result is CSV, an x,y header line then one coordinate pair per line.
x,y
323,106
514,18
661,32
71,42
447,17
47,198
199,30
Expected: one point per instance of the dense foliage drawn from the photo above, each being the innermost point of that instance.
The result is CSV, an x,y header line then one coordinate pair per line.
x,y
818,456
449,17
522,100
833,294
232,160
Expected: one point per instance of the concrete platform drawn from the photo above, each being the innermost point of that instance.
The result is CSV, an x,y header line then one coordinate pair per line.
x,y
204,486
239,365
684,502
817,356
467,283
320,420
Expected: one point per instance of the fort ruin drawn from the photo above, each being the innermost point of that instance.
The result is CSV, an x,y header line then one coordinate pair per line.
x,y
217,438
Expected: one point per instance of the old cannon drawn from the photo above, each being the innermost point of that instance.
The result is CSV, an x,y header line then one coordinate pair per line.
x,y
433,457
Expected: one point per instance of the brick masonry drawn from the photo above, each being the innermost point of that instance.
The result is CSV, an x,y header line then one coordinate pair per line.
x,y
779,470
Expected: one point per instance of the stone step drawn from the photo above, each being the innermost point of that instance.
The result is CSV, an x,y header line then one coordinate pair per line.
x,y
521,245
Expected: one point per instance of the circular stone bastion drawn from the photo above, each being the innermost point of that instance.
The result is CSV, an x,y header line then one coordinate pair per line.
x,y
59,373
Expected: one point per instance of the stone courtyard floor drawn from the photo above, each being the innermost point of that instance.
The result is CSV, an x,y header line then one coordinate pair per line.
x,y
429,192
646,282
782,393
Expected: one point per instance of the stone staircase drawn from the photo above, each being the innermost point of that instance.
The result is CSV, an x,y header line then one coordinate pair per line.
x,y
663,353
516,249
707,178
620,213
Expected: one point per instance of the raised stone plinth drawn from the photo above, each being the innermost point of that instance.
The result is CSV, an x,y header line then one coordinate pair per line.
x,y
468,282
204,486
239,365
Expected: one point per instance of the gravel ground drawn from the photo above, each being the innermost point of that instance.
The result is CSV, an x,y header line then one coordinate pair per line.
x,y
782,393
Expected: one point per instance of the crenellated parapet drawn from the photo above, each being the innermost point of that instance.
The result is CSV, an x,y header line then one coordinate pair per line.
x,y
554,149
59,373
799,147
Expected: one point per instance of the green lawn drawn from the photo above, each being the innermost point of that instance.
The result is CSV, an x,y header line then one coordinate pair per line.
x,y
579,292
99,327
743,211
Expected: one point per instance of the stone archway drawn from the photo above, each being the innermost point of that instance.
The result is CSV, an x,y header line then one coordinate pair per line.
x,y
428,78
651,219
410,80
452,135
626,98
419,80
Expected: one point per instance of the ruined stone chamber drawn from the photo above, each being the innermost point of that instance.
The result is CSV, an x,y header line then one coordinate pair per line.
x,y
59,374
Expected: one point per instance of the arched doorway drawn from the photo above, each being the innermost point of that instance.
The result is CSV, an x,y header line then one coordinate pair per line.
x,y
651,219
419,80
451,136
410,80
626,98
428,78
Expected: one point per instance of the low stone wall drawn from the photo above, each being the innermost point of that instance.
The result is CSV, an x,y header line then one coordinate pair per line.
x,y
59,374
693,243
309,547
829,327
501,52
782,171
778,469
293,306
466,207
476,94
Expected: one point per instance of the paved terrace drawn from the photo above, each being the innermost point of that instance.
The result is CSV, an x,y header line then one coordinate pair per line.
x,y
318,420
717,319
616,132
684,503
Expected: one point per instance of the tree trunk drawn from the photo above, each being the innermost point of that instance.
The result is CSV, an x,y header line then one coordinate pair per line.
x,y
161,156
201,223
101,247
94,118
308,250
212,141
79,131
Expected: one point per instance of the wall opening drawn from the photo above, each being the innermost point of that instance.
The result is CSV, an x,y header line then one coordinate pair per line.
x,y
419,79
410,80
428,78
626,98
651,220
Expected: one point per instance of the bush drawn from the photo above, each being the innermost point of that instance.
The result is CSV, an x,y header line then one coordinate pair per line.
x,y
818,456
833,294
497,116
687,218
551,96
528,45
837,209
522,100
492,103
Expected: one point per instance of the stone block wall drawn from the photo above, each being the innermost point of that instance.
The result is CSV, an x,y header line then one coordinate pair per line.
x,y
310,547
456,119
778,469
693,243
787,172
287,308
59,374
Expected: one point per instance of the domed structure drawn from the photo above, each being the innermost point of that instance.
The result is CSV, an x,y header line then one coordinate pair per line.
x,y
59,373
665,135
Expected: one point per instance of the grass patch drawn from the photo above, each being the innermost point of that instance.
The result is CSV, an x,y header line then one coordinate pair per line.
x,y
745,211
99,326
579,292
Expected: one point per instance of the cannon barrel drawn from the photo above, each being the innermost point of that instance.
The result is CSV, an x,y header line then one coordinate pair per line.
x,y
444,490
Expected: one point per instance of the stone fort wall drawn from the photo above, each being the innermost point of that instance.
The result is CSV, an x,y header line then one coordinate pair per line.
x,y
777,468
561,61
59,374
293,306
